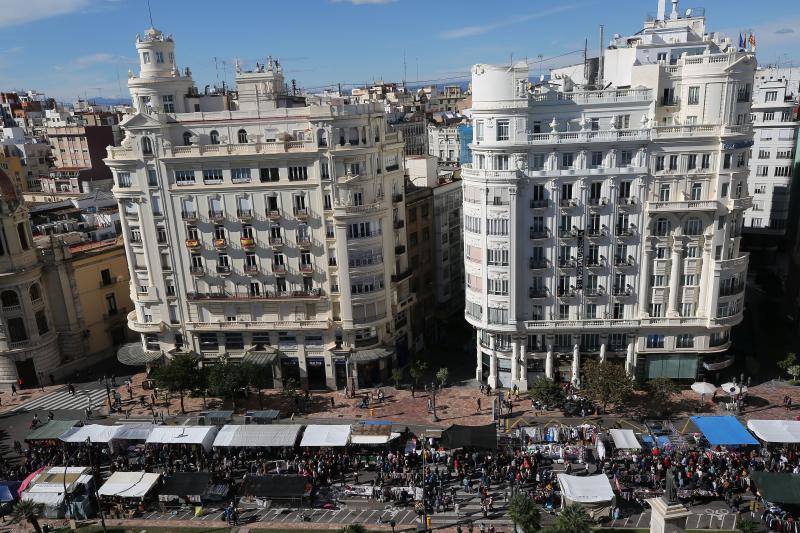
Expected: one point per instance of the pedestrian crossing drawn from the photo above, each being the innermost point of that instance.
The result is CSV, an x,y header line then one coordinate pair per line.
x,y
62,399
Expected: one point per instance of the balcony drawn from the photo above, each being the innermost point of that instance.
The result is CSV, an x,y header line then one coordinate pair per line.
x,y
399,249
568,202
197,271
594,293
567,263
597,203
537,292
220,244
278,268
267,295
626,202
740,203
688,205
273,214
624,262
193,244
596,264
244,214
399,224
248,243
304,242
189,216
732,290
224,270
538,264
539,204
369,319
306,268
595,233
538,234
276,242
251,270
625,232
216,216
567,233
569,137
621,291
301,213
566,292
402,276
251,148
397,198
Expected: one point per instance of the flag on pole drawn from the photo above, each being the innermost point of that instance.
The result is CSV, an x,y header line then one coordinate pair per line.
x,y
741,41
752,41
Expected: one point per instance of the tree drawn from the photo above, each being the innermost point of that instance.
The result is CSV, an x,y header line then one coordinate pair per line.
x,y
28,511
573,519
442,375
747,526
794,371
290,392
659,392
259,377
227,378
547,392
180,375
417,370
524,514
789,361
606,383
397,377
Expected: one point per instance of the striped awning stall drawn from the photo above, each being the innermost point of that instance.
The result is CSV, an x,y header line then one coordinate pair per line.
x,y
261,357
133,354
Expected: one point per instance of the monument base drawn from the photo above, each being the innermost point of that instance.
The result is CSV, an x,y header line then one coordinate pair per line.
x,y
667,517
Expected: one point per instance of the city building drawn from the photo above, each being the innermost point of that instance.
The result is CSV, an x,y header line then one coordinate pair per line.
x,y
776,98
444,143
412,127
603,222
262,225
78,153
34,154
419,232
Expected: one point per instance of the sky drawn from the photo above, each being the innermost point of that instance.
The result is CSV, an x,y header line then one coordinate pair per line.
x,y
79,48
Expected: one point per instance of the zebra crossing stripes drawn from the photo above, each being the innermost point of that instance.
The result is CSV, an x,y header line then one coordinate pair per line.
x,y
64,400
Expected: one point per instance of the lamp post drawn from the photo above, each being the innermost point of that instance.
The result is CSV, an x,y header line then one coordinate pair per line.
x,y
433,401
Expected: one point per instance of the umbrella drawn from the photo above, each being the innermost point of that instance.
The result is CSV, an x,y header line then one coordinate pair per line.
x,y
732,388
701,387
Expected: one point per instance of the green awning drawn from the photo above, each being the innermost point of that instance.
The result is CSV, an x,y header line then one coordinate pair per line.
x,y
51,430
368,356
133,354
778,488
260,357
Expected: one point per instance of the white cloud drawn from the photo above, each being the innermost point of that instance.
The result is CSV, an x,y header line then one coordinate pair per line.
x,y
469,31
103,58
32,10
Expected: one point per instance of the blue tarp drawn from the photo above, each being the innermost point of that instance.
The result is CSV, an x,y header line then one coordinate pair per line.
x,y
8,490
723,430
662,441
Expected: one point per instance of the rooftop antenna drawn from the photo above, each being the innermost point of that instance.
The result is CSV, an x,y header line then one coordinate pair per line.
x,y
150,14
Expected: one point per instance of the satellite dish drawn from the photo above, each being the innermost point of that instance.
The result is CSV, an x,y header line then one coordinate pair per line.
x,y
689,12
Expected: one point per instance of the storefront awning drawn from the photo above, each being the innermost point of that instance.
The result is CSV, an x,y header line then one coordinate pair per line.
x,y
373,354
625,439
261,357
723,430
52,430
134,432
251,436
129,484
785,431
133,354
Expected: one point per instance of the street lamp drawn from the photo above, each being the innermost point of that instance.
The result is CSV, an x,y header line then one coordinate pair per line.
x,y
433,401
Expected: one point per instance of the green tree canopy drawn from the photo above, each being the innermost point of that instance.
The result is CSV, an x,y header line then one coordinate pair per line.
x,y
573,519
606,383
524,513
28,511
547,391
442,375
226,379
180,375
660,391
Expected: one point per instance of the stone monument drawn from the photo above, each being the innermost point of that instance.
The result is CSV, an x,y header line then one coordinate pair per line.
x,y
668,514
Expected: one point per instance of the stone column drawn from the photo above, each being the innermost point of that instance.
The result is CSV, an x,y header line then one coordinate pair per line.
x,y
675,277
479,352
513,279
630,363
514,361
705,271
644,281
576,363
493,363
603,352
548,363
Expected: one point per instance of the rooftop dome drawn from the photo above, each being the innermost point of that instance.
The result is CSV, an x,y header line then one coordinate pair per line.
x,y
8,191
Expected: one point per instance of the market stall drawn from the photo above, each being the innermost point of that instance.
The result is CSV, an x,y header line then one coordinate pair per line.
x,y
52,430
723,431
262,490
776,431
262,436
372,434
325,436
266,416
91,433
191,488
48,489
624,439
478,437
125,492
196,435
594,493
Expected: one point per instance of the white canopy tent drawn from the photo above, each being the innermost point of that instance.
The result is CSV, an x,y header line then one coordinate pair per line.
x,y
202,435
784,431
594,493
129,484
134,431
373,439
47,488
625,439
95,433
326,436
267,436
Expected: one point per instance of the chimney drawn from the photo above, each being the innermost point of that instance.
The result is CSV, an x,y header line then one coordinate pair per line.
x,y
662,10
674,14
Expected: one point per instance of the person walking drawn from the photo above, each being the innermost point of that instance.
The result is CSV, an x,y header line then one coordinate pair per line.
x,y
13,389
478,402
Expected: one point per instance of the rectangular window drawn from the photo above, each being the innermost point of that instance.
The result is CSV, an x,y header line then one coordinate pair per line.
x,y
212,176
298,173
168,102
478,130
502,130
240,175
268,174
655,341
659,163
184,177
597,159
771,96
694,96
567,160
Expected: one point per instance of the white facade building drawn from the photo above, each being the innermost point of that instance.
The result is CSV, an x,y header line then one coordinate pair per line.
x,y
260,226
775,125
605,224
444,143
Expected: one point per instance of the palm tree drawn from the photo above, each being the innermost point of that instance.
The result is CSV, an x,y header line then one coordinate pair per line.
x,y
524,514
573,519
747,526
28,511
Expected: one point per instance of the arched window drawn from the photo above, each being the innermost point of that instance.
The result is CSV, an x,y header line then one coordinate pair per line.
x,y
322,137
147,146
214,137
242,135
9,298
187,138
35,292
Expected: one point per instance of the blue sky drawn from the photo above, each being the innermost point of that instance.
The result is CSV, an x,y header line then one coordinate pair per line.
x,y
71,48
